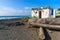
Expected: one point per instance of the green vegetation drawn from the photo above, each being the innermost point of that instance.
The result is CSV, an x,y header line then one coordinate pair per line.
x,y
57,14
34,17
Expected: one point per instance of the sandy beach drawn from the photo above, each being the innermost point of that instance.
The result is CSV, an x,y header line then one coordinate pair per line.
x,y
14,29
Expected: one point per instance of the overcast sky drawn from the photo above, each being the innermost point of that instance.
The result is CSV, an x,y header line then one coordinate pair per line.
x,y
23,7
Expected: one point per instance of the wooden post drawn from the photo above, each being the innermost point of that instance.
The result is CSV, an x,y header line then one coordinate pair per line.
x,y
47,26
41,33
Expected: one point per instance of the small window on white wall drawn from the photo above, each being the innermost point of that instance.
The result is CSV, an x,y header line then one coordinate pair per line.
x,y
35,12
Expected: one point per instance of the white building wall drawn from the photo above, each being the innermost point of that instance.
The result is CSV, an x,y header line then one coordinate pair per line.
x,y
45,13
35,14
54,13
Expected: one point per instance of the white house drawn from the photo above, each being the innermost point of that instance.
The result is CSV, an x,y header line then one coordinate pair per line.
x,y
43,12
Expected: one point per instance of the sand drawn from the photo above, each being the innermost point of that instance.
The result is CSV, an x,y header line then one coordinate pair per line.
x,y
22,32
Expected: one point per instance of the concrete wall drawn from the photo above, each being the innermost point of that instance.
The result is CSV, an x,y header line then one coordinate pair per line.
x,y
45,13
54,13
35,14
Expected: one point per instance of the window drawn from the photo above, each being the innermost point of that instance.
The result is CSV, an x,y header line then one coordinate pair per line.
x,y
35,12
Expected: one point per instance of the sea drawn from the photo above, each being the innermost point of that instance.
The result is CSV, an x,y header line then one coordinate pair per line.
x,y
13,17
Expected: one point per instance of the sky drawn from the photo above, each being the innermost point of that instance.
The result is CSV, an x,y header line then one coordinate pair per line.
x,y
23,7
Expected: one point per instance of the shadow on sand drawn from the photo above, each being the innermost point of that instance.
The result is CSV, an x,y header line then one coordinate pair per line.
x,y
47,35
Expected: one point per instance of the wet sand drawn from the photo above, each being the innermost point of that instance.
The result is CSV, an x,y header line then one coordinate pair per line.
x,y
22,32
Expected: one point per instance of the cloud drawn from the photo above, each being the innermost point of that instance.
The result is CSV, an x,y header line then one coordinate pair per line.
x,y
27,9
12,11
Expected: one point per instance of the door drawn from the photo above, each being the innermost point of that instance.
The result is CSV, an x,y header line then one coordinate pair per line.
x,y
39,14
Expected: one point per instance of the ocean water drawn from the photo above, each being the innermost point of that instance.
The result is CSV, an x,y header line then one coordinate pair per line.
x,y
11,17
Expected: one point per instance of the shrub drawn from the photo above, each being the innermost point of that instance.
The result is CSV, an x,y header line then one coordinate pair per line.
x,y
25,19
34,17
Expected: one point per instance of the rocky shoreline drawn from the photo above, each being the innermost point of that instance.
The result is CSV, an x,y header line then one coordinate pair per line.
x,y
15,29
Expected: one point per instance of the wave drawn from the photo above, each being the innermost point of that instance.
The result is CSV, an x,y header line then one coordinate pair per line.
x,y
10,17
